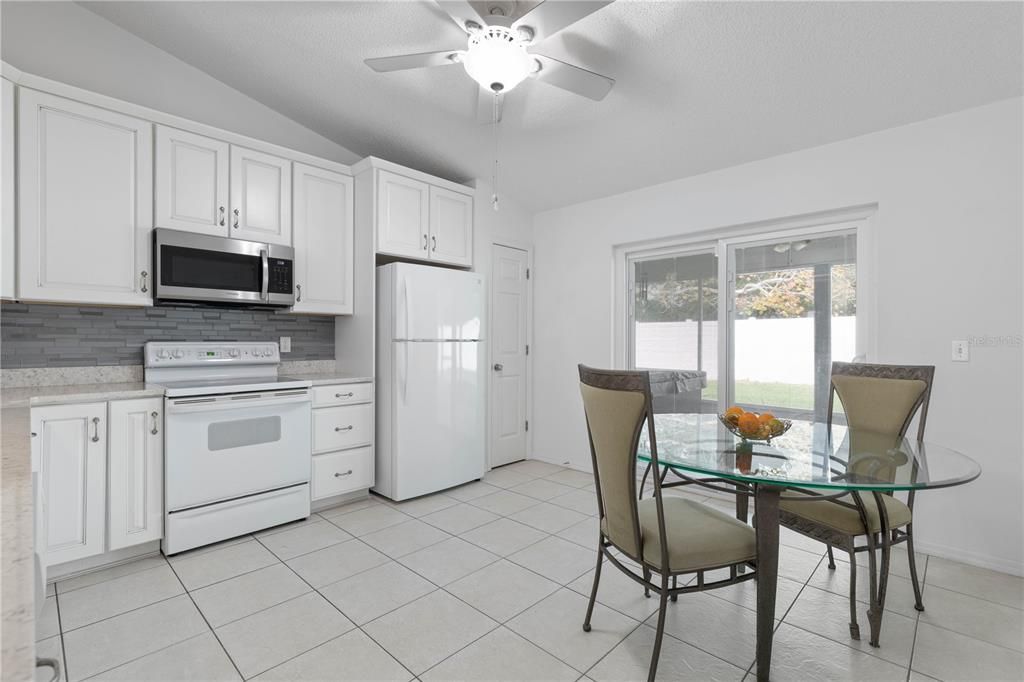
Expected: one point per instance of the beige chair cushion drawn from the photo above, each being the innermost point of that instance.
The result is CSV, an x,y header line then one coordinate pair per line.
x,y
844,519
877,404
699,536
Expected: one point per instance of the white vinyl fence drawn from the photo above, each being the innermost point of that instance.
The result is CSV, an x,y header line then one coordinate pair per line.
x,y
767,350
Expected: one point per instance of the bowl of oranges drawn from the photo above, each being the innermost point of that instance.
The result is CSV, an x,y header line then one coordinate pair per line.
x,y
754,426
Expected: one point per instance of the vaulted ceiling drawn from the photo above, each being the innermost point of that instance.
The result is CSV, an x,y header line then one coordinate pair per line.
x,y
699,85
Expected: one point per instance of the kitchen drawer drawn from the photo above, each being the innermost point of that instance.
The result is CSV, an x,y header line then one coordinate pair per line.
x,y
341,472
348,426
342,394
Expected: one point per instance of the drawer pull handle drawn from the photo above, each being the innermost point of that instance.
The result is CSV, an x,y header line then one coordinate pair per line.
x,y
96,429
347,473
343,428
155,416
344,395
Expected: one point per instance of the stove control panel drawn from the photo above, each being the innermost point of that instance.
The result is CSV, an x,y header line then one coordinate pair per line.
x,y
159,354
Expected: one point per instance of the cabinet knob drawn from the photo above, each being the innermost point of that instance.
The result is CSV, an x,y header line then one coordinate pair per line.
x,y
498,367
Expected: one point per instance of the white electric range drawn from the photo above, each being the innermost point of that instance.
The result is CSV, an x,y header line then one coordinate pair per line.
x,y
237,451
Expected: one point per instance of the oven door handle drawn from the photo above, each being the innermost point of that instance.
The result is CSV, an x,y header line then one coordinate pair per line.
x,y
240,402
265,289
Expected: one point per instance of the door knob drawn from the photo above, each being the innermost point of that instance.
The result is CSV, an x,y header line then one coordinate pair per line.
x,y
498,367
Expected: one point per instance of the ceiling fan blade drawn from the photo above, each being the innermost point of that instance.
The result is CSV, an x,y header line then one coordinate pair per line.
x,y
411,61
551,16
485,107
461,12
573,78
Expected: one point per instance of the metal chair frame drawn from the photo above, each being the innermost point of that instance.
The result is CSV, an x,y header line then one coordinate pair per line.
x,y
667,587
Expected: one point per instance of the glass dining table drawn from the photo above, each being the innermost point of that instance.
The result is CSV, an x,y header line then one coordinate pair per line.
x,y
812,456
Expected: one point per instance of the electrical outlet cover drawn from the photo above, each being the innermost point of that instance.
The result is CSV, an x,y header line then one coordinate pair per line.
x,y
961,351
286,344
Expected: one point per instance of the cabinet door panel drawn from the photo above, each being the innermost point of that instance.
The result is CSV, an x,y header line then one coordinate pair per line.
x,y
261,197
85,203
7,242
322,235
72,480
191,182
402,210
451,227
135,463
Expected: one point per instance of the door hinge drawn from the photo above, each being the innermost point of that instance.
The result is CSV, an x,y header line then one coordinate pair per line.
x,y
527,273
527,424
527,349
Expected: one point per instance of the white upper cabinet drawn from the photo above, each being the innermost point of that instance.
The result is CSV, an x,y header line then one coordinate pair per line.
x,y
85,196
261,197
191,182
135,468
451,227
7,242
69,443
403,207
323,241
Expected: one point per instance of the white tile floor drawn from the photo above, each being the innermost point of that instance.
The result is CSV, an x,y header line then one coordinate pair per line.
x,y
489,581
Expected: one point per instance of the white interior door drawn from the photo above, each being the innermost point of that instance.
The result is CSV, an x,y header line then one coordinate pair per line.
x,y
509,338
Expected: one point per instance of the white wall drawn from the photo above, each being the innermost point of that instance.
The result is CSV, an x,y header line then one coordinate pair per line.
x,y
68,43
948,266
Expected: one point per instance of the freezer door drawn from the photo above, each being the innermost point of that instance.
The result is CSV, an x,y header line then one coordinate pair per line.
x,y
433,303
438,416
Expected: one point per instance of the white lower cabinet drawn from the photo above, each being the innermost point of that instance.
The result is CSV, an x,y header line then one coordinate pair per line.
x,y
69,447
100,469
135,463
342,439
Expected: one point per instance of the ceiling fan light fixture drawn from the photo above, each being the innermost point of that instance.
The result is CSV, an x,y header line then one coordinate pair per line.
x,y
497,59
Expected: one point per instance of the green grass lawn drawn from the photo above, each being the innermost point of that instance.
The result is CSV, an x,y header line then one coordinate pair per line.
x,y
793,396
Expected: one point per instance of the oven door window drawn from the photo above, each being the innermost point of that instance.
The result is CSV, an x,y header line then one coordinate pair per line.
x,y
201,269
240,433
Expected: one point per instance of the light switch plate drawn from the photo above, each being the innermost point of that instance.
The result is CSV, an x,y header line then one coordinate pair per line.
x,y
286,344
961,351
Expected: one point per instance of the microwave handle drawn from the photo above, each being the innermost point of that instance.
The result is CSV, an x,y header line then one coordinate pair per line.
x,y
265,290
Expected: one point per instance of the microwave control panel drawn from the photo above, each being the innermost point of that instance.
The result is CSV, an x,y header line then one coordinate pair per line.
x,y
280,276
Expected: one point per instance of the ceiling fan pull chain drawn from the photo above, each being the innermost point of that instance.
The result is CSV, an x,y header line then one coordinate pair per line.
x,y
494,174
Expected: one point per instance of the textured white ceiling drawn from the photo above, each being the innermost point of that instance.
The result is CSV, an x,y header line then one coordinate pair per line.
x,y
699,85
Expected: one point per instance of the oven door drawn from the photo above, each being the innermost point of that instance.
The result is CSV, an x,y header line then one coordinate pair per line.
x,y
200,268
224,447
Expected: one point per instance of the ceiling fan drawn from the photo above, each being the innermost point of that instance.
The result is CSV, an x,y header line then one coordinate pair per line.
x,y
497,55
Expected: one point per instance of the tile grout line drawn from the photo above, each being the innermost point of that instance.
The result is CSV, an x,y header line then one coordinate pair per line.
x,y
60,633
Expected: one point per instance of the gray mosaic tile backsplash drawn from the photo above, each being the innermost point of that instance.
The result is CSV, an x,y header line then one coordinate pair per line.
x,y
41,335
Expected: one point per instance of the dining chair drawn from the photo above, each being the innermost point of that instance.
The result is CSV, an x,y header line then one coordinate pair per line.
x,y
880,402
665,536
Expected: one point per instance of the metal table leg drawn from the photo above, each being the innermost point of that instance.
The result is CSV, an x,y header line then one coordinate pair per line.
x,y
766,515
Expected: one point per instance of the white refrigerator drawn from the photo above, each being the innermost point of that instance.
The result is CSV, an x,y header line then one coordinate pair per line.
x,y
430,379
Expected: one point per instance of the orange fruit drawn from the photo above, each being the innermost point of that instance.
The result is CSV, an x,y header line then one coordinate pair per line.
x,y
766,417
734,410
749,424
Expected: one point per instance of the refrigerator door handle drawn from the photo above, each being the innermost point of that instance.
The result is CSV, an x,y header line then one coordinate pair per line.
x,y
405,372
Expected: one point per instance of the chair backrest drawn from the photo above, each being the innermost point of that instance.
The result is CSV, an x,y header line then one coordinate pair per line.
x,y
882,398
617,404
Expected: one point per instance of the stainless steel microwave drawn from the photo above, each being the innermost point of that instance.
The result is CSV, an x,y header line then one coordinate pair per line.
x,y
197,268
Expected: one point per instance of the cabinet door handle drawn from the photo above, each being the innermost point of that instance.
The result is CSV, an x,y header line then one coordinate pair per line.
x,y
298,293
236,218
155,416
344,395
433,241
343,428
339,475
145,277
424,242
96,429
221,211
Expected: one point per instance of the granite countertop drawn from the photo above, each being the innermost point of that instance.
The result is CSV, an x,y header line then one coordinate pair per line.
x,y
327,378
32,396
17,579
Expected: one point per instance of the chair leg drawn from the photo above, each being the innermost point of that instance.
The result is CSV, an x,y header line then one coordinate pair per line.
x,y
647,579
593,591
660,631
854,627
674,597
831,559
918,604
